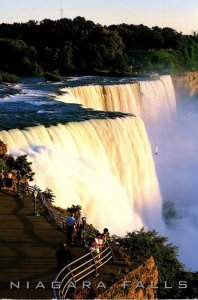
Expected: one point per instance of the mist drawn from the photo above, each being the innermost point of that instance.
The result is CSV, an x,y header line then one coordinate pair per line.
x,y
177,171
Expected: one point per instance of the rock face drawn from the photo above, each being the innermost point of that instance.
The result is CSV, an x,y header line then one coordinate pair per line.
x,y
138,284
186,84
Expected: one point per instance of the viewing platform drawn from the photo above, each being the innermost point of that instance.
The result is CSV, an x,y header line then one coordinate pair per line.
x,y
27,250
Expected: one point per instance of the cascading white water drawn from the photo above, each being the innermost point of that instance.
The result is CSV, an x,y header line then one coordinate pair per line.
x,y
144,99
107,165
123,97
158,100
104,165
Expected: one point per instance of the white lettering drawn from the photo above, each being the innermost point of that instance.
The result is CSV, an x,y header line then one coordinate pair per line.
x,y
183,285
55,285
139,285
71,285
86,284
166,286
40,285
16,285
126,284
27,285
101,285
152,285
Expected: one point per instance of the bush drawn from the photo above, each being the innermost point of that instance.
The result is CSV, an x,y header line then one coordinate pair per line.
x,y
53,76
140,245
74,208
3,166
49,195
30,68
8,77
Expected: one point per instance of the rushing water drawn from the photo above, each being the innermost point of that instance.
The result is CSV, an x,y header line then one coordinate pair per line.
x,y
106,163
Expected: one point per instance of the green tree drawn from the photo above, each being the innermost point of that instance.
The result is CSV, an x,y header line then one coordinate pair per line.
x,y
21,165
47,59
188,51
66,57
10,162
79,45
3,165
140,245
24,167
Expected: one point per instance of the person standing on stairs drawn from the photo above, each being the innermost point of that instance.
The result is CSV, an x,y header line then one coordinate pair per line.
x,y
70,226
63,256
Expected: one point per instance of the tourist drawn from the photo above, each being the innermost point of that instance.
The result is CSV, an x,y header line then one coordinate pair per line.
x,y
9,181
70,226
99,243
98,247
79,225
105,235
63,256
1,179
92,245
79,218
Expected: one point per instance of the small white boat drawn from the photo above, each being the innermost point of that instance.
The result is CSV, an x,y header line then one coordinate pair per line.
x,y
156,149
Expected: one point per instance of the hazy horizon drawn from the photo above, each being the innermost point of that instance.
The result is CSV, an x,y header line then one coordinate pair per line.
x,y
179,15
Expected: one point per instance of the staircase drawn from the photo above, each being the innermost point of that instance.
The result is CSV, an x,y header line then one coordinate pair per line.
x,y
27,252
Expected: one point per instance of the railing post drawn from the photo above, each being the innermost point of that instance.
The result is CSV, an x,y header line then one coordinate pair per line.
x,y
96,269
83,229
35,212
110,249
73,278
18,184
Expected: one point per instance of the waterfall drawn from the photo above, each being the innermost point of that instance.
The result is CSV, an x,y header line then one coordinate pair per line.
x,y
123,97
158,100
144,98
104,165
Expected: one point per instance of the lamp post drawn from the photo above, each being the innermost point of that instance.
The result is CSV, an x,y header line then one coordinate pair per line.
x,y
18,183
83,229
35,212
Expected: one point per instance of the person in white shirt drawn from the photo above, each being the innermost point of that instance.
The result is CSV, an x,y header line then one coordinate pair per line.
x,y
98,246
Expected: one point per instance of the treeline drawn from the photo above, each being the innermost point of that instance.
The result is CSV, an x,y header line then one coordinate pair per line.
x,y
78,46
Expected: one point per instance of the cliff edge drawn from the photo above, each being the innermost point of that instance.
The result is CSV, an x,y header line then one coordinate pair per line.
x,y
138,284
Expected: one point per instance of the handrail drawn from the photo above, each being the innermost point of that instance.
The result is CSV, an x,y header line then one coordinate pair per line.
x,y
71,273
59,218
81,267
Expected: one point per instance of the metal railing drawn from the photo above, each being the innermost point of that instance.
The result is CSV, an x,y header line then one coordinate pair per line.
x,y
58,218
79,269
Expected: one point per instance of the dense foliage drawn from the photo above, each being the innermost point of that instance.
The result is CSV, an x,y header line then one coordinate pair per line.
x,y
70,46
140,245
8,77
21,165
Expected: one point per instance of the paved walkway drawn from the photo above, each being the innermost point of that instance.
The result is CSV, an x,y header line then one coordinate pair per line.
x,y
27,250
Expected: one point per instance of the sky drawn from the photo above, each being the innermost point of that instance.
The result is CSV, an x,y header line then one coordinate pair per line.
x,y
182,15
